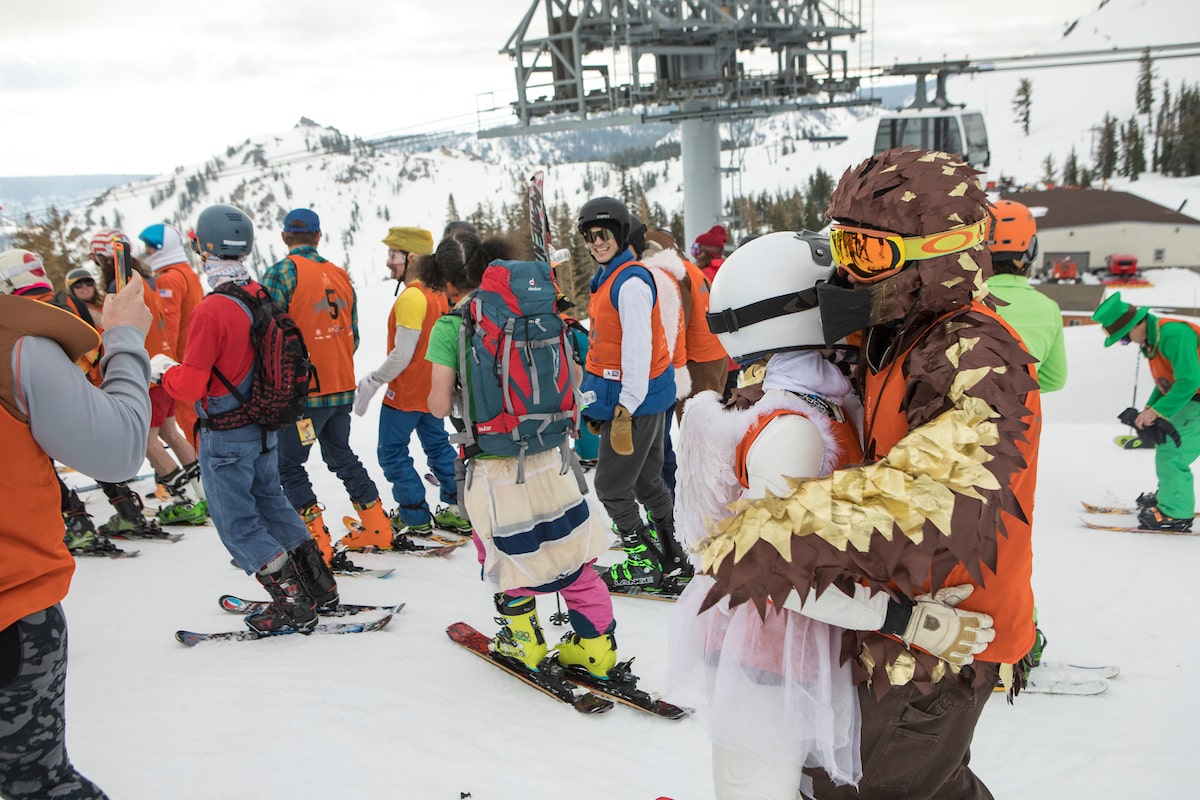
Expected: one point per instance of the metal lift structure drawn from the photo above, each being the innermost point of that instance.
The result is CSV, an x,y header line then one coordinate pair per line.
x,y
681,64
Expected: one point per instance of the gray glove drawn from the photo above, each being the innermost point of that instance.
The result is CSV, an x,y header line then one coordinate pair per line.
x,y
367,387
953,635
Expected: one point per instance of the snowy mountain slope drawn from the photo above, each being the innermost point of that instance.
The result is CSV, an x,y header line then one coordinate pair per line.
x,y
360,192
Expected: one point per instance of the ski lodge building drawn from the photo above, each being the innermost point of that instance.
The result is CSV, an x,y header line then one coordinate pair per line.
x,y
1088,225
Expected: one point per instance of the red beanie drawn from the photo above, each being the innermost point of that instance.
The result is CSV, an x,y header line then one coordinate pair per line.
x,y
713,237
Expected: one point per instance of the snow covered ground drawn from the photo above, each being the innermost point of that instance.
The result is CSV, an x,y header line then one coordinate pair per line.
x,y
404,713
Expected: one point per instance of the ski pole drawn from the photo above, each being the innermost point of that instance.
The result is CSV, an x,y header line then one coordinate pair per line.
x,y
1137,367
559,617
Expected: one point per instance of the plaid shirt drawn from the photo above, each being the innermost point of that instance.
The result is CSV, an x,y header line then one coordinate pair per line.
x,y
280,282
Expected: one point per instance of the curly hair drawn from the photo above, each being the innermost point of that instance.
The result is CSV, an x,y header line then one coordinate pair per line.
x,y
460,260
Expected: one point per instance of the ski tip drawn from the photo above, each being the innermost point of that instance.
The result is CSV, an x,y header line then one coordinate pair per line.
x,y
188,638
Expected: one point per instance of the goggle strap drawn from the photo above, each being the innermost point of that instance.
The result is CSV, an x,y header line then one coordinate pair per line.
x,y
912,243
730,320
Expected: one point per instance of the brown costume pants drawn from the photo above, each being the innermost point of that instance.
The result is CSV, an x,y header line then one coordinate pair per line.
x,y
916,747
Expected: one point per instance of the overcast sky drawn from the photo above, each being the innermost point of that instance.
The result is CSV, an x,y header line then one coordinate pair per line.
x,y
141,87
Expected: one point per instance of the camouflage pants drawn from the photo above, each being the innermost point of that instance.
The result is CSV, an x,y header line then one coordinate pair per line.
x,y
33,753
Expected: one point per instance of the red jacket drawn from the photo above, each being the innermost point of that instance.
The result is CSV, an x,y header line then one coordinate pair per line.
x,y
218,336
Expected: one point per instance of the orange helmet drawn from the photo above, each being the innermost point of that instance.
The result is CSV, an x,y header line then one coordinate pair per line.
x,y
1012,233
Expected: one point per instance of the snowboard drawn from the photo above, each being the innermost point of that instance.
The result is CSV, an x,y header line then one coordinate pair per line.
x,y
1132,442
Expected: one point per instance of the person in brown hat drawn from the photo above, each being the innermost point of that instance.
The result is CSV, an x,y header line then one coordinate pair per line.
x,y
1172,347
405,409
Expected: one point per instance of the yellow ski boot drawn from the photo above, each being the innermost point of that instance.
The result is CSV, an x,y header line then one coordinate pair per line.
x,y
521,637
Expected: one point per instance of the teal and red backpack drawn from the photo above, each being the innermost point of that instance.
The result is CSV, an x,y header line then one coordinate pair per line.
x,y
516,364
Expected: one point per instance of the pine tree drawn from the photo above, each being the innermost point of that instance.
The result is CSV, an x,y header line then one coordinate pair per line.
x,y
56,240
1085,178
1106,150
1145,85
1070,170
1049,170
451,210
820,190
1133,150
1022,103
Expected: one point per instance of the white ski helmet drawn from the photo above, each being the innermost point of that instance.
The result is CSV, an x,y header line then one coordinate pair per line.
x,y
20,269
764,299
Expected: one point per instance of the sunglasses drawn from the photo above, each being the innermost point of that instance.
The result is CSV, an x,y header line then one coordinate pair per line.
x,y
873,255
592,235
84,282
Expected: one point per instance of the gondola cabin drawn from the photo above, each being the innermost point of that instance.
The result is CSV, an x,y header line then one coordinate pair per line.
x,y
951,130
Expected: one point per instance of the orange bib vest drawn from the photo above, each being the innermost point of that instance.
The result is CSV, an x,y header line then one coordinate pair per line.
x,y
322,305
409,391
605,335
35,565
844,434
1008,596
702,344
1160,367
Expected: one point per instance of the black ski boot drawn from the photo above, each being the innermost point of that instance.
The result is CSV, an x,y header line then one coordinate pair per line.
x,y
129,522
1153,519
674,561
1146,500
641,567
81,537
317,577
292,607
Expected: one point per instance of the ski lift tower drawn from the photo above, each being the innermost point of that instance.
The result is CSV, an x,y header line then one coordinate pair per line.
x,y
682,66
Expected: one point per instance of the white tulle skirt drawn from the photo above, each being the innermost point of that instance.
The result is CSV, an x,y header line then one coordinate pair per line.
x,y
771,688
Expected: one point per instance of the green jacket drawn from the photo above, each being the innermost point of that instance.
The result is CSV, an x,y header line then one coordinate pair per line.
x,y
1038,320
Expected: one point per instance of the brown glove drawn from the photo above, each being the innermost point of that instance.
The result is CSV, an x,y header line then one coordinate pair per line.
x,y
621,433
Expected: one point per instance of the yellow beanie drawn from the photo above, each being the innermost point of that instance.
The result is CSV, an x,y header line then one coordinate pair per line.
x,y
410,240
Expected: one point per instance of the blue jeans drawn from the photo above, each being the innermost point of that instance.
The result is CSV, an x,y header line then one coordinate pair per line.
x,y
408,490
254,519
332,428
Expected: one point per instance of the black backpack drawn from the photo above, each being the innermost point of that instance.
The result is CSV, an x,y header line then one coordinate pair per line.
x,y
283,374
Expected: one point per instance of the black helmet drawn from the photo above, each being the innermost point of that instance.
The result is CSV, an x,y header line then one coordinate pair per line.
x,y
637,235
607,212
79,274
224,231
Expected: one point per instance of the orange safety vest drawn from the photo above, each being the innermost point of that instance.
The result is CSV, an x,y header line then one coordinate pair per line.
x,y
605,335
157,340
1160,367
409,391
844,434
702,344
322,305
180,291
1008,596
35,565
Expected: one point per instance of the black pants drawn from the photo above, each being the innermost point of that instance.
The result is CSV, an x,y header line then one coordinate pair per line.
x,y
33,673
622,482
916,747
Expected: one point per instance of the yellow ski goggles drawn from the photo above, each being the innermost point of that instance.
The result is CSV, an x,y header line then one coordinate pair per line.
x,y
873,255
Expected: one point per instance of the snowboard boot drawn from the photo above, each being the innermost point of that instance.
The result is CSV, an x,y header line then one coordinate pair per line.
x,y
315,522
674,562
1153,519
597,655
129,521
1146,500
292,608
316,576
521,637
641,567
376,530
448,519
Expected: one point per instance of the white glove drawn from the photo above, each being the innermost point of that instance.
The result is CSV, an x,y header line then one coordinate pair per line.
x,y
160,364
367,387
937,627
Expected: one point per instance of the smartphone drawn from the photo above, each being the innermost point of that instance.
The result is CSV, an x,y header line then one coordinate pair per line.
x,y
121,264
